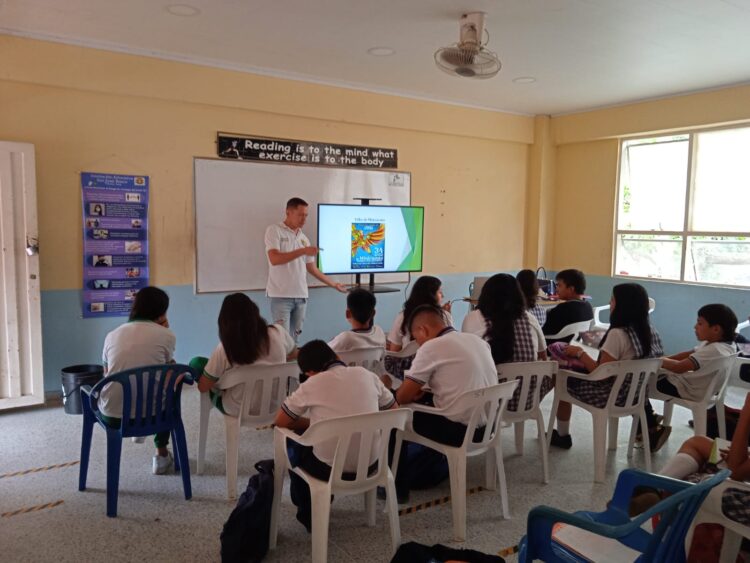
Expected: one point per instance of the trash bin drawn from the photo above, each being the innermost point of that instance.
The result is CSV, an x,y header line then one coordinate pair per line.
x,y
72,379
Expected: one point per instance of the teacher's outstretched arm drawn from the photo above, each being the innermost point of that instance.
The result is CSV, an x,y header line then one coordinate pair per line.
x,y
276,257
312,269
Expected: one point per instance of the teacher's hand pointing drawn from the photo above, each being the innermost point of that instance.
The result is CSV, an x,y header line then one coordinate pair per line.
x,y
340,286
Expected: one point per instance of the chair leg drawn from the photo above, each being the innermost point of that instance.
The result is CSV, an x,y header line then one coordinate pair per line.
x,y
518,427
490,472
232,434
614,427
730,547
457,469
600,446
552,417
181,454
176,457
668,408
542,446
392,510
721,420
646,440
205,412
83,470
700,421
321,514
500,467
114,449
370,507
279,463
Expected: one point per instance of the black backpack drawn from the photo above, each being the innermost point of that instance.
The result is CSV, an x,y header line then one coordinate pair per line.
x,y
244,538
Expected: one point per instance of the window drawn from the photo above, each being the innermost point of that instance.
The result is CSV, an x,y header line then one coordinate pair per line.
x,y
683,208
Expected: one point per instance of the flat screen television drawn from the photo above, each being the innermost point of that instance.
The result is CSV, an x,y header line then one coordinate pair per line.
x,y
369,239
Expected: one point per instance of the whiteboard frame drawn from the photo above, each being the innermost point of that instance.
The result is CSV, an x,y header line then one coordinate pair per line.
x,y
316,283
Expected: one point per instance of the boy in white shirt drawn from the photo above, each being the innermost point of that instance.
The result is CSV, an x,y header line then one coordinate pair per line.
x,y
332,390
449,363
360,313
715,329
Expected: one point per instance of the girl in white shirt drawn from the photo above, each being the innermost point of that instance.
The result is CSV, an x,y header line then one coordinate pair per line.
x,y
427,290
245,338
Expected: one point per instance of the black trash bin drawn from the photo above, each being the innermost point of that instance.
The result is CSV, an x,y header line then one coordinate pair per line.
x,y
72,379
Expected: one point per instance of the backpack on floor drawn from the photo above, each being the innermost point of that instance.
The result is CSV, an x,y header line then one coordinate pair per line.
x,y
424,468
414,552
244,538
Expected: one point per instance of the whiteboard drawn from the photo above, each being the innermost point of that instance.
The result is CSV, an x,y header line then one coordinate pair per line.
x,y
236,200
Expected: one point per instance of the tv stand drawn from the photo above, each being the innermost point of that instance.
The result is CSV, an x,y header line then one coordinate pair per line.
x,y
371,286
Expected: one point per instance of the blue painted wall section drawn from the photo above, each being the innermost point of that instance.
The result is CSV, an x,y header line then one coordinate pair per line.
x,y
69,339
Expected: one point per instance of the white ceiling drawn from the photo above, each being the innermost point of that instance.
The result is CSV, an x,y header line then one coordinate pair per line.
x,y
583,53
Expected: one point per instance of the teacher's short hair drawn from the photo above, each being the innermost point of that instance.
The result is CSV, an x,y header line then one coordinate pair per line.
x,y
295,202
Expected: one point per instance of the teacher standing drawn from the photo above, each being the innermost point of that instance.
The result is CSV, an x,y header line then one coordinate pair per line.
x,y
290,258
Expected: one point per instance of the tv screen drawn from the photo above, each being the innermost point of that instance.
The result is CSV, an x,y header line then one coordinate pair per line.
x,y
365,239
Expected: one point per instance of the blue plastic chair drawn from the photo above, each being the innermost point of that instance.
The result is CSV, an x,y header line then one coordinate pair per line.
x,y
147,387
665,544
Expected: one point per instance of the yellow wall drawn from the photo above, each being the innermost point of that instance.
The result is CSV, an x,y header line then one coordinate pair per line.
x,y
90,110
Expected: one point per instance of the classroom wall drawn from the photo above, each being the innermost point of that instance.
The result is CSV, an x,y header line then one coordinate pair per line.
x,y
91,110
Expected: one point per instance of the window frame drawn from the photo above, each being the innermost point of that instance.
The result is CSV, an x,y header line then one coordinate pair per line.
x,y
687,232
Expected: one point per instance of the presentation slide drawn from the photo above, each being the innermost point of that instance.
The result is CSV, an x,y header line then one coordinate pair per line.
x,y
356,239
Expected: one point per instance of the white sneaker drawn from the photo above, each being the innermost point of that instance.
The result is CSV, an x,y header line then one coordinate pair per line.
x,y
162,464
138,439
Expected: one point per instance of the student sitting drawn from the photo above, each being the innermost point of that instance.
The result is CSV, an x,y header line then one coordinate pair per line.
x,y
331,390
360,312
715,330
629,337
571,284
514,334
426,291
244,338
530,287
144,340
449,363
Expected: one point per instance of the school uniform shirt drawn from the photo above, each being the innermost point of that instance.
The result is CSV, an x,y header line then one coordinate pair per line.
x,y
133,344
475,323
290,279
280,345
450,365
567,312
339,391
349,340
395,336
692,387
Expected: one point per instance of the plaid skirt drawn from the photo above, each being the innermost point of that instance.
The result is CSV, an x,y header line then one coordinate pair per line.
x,y
547,386
397,366
735,503
596,393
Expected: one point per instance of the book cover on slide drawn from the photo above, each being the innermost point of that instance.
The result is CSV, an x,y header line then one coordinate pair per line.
x,y
368,246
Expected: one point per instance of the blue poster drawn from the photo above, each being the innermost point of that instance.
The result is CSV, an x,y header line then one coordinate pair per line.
x,y
115,242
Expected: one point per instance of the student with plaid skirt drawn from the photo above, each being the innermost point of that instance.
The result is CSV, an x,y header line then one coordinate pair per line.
x,y
513,333
630,337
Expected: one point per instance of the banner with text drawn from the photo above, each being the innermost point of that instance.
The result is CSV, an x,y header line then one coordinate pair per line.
x,y
304,152
115,242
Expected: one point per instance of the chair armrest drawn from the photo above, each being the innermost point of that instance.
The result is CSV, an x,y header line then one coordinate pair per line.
x,y
629,479
418,407
287,433
86,389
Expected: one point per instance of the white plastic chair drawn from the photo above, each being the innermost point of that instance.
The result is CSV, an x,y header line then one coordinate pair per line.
x,y
596,322
527,371
490,404
369,358
711,512
718,370
641,371
359,431
573,329
736,387
265,388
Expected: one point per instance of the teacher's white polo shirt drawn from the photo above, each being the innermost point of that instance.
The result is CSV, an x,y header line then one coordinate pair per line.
x,y
290,279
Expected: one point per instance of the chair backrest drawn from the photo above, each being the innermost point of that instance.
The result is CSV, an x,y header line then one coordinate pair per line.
x,y
651,305
631,379
151,394
486,407
367,432
264,389
370,358
395,363
527,395
717,372
596,322
743,325
573,329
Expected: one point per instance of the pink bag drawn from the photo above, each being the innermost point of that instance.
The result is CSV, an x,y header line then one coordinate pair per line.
x,y
557,353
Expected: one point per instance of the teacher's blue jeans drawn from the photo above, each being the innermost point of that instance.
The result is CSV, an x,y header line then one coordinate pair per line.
x,y
290,313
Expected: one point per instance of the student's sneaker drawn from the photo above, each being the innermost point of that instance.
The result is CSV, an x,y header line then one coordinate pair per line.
x,y
564,442
138,439
162,464
402,498
657,438
643,498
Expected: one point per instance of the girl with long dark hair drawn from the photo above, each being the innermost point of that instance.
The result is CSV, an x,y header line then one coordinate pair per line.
x,y
427,290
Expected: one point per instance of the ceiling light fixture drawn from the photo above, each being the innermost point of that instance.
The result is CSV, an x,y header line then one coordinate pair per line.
x,y
381,51
182,10
524,80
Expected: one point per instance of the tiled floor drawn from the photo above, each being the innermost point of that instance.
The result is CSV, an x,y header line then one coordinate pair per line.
x,y
155,523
